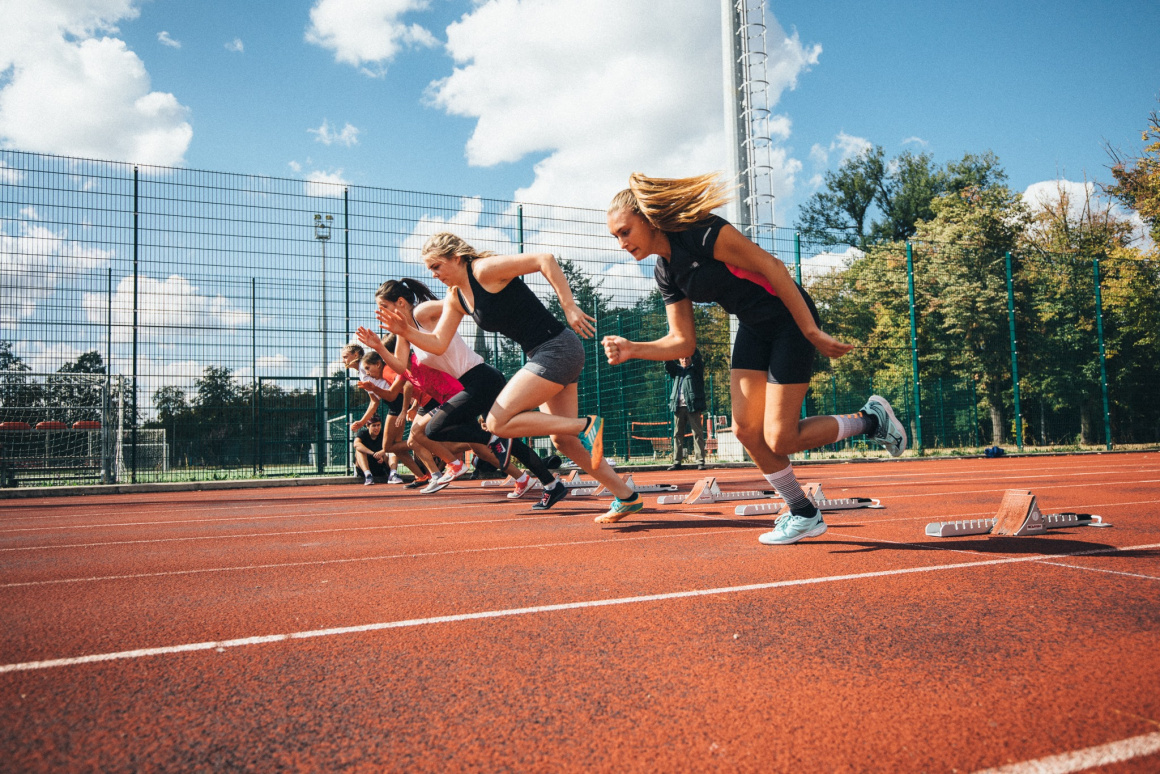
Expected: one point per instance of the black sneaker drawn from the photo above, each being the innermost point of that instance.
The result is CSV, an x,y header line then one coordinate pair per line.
x,y
552,495
675,466
502,449
418,482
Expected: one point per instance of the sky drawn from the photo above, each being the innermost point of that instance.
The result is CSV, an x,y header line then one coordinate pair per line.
x,y
557,101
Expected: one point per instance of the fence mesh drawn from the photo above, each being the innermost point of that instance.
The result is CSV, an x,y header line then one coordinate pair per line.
x,y
224,299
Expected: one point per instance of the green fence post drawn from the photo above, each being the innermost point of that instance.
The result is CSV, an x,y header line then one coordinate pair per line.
x,y
136,245
320,416
974,412
1103,357
254,371
346,284
258,447
914,350
1014,355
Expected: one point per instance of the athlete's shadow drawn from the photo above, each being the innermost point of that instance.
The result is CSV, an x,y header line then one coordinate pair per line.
x,y
1060,542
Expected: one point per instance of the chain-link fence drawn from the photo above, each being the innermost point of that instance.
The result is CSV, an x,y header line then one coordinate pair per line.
x,y
224,301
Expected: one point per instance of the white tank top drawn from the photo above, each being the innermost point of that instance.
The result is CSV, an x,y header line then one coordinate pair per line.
x,y
457,360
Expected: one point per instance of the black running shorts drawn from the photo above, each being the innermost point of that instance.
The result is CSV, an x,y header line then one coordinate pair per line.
x,y
779,348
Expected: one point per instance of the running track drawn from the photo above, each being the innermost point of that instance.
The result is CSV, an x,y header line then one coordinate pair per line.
x,y
353,628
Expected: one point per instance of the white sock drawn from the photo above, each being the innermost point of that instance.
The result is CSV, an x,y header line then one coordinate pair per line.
x,y
852,424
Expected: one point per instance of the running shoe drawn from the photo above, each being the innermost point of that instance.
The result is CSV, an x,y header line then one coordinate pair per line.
x,y
502,449
394,478
620,509
522,487
890,433
368,480
418,482
552,495
454,470
791,527
435,485
593,440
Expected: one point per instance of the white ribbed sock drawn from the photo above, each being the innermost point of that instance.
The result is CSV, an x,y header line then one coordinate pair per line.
x,y
788,488
854,424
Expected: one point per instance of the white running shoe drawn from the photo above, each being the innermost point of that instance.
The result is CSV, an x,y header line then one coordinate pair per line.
x,y
890,433
394,478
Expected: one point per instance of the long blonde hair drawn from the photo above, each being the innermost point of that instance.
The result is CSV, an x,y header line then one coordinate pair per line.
x,y
672,203
445,245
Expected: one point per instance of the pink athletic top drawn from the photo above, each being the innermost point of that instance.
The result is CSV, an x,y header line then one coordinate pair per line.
x,y
439,385
752,276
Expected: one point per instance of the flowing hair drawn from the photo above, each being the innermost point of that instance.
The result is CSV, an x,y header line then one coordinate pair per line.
x,y
412,290
672,203
445,244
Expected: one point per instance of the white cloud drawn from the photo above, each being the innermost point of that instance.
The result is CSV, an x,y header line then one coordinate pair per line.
x,y
915,141
68,91
161,306
236,46
1046,194
628,282
603,88
164,39
36,261
277,362
466,224
10,176
849,145
348,136
319,183
295,167
367,34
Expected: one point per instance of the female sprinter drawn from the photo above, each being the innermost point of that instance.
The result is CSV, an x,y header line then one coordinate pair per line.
x,y
457,418
702,258
489,288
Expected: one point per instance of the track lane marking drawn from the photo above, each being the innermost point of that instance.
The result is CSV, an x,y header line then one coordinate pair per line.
x,y
221,645
1078,760
1098,569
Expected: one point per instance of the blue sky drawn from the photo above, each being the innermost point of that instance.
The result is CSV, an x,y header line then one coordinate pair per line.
x,y
557,101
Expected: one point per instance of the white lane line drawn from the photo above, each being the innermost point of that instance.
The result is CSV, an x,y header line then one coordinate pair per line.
x,y
1101,755
1097,569
349,560
28,666
296,532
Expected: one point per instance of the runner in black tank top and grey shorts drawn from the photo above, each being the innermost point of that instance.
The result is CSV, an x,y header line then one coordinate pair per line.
x,y
489,288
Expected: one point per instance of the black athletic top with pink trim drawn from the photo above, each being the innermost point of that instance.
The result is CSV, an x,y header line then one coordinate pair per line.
x,y
692,272
515,312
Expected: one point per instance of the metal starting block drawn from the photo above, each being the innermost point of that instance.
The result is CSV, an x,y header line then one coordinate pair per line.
x,y
601,490
814,492
1018,515
573,481
707,491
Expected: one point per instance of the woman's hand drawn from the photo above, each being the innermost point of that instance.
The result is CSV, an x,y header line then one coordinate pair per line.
x,y
617,349
357,425
401,420
364,386
827,344
580,322
369,338
393,321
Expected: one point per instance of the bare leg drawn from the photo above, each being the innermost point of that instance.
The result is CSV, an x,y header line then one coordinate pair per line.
x,y
513,416
564,404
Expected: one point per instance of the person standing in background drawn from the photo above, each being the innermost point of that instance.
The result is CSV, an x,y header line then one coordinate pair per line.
x,y
687,403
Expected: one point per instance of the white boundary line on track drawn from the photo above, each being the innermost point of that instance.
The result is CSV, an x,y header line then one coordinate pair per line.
x,y
493,520
352,560
221,645
1097,569
1078,760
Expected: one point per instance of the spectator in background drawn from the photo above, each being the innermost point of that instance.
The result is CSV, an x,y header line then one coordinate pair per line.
x,y
369,456
687,402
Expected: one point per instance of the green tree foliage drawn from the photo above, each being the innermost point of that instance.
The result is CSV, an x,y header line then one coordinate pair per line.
x,y
1138,180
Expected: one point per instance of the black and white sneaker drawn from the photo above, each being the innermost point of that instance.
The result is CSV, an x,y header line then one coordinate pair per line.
x,y
552,495
502,449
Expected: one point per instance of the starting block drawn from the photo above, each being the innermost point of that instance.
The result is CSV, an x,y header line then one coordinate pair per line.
x,y
814,492
707,491
573,481
1018,515
597,490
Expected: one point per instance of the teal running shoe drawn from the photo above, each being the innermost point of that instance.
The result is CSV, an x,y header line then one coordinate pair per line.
x,y
620,509
593,440
792,528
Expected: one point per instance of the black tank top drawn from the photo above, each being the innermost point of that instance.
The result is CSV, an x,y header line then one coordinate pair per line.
x,y
515,312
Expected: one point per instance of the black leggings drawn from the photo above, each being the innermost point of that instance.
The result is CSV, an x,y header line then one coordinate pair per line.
x,y
458,418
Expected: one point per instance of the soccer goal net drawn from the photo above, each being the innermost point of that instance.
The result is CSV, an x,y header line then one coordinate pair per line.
x,y
61,428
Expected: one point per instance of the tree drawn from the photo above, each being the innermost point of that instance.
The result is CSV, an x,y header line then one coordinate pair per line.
x,y
78,399
838,213
1137,183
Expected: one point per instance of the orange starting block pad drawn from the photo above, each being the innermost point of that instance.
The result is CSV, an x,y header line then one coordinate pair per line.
x,y
820,501
1018,515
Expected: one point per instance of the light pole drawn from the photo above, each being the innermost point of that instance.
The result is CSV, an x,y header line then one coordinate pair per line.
x,y
322,234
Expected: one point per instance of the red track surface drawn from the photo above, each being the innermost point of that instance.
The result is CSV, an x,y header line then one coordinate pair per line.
x,y
871,648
